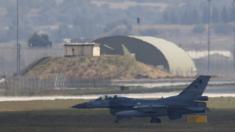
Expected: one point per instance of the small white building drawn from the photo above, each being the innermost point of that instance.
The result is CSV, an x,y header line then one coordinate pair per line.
x,y
82,49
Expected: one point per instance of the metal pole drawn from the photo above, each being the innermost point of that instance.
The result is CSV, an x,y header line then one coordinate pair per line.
x,y
233,31
17,38
209,36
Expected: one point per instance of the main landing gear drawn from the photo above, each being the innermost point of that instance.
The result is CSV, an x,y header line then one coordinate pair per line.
x,y
155,120
116,120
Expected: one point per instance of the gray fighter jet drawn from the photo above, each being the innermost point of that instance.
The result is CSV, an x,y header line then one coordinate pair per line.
x,y
189,101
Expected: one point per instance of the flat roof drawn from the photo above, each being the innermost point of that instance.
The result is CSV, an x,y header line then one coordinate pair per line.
x,y
81,44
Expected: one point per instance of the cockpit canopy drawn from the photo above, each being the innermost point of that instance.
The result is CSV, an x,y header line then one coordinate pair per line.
x,y
106,97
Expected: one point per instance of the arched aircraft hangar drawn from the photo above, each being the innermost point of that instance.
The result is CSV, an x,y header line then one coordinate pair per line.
x,y
151,50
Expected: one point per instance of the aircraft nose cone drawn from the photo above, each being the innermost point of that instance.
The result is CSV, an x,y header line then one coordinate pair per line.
x,y
80,106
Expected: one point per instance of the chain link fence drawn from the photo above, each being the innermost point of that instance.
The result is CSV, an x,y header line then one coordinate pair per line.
x,y
30,86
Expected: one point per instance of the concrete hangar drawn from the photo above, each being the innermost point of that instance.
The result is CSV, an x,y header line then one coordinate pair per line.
x,y
153,51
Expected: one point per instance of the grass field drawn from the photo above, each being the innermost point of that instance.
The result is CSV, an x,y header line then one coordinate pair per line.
x,y
57,116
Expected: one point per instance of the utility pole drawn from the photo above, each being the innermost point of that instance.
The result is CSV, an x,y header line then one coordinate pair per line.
x,y
17,39
138,21
233,31
209,37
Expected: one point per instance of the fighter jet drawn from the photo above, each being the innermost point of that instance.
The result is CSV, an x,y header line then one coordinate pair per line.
x,y
189,101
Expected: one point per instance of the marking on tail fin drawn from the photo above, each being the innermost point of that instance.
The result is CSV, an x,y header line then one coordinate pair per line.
x,y
197,87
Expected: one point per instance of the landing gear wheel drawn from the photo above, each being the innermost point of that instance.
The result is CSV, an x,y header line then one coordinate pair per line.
x,y
155,120
117,120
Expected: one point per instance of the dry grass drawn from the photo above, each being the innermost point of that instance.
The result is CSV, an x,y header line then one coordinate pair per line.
x,y
47,116
115,67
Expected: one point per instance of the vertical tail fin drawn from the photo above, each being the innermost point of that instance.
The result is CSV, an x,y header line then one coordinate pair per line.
x,y
196,88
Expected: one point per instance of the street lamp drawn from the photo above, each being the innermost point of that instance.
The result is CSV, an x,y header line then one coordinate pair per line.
x,y
17,39
209,36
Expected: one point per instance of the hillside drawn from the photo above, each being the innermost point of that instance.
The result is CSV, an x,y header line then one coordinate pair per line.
x,y
90,19
115,67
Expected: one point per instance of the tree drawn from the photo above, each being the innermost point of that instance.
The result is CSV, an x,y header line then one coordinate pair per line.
x,y
225,15
205,14
231,12
195,16
199,29
165,16
39,41
215,15
170,16
223,28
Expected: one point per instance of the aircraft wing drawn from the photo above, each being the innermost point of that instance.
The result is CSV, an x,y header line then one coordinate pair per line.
x,y
150,108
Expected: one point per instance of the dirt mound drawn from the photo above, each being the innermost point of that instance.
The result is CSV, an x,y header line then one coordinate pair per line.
x,y
114,67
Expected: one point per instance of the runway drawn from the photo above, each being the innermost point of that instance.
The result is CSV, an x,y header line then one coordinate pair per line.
x,y
212,92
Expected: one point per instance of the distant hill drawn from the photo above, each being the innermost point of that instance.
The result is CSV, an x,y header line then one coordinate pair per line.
x,y
90,19
114,67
